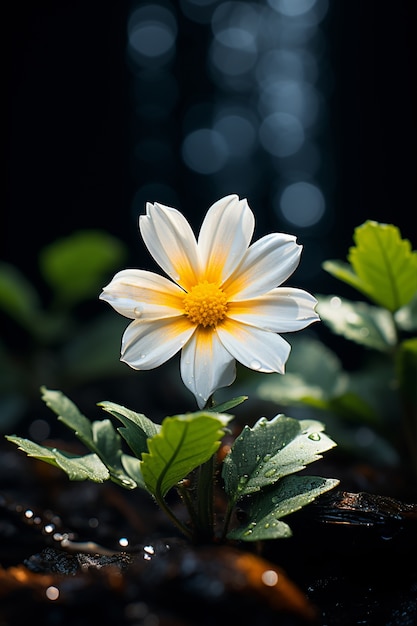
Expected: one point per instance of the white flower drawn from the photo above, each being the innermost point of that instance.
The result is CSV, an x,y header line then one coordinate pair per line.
x,y
222,303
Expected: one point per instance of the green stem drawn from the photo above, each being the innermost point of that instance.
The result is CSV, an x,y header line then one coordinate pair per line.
x,y
227,519
205,500
186,498
174,519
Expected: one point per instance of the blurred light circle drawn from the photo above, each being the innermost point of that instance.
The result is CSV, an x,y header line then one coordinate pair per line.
x,y
302,204
292,8
279,64
231,60
281,134
205,151
235,15
290,96
152,31
238,132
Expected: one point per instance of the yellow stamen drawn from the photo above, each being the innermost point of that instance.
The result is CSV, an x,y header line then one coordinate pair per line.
x,y
205,304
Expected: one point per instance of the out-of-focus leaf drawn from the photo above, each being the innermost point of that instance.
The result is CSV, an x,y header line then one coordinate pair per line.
x,y
313,370
76,266
406,317
91,353
363,323
381,265
268,506
183,443
18,298
261,455
87,467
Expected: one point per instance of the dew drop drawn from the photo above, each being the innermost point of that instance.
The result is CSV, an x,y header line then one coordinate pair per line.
x,y
314,437
255,365
270,472
269,578
267,458
49,528
242,482
137,311
52,593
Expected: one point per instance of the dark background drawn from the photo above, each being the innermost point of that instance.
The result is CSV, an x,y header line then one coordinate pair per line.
x,y
68,123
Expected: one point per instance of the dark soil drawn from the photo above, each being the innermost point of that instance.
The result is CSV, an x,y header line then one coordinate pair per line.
x,y
81,553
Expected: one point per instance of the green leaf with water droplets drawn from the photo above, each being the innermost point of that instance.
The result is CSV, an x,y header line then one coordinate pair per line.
x,y
183,443
381,265
267,507
363,323
87,467
261,455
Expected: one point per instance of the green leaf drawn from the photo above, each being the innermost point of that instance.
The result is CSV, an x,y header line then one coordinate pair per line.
x,y
100,437
183,443
131,465
75,267
365,324
382,266
261,455
69,414
267,507
137,427
229,404
87,467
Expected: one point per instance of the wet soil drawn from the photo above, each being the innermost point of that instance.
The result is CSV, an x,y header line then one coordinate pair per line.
x,y
81,553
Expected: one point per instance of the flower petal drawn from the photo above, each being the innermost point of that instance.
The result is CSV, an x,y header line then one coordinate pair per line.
x,y
255,348
224,237
267,264
141,294
280,311
171,241
206,365
146,345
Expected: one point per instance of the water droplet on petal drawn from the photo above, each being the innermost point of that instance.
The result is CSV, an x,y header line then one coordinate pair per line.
x,y
270,472
137,311
255,365
314,437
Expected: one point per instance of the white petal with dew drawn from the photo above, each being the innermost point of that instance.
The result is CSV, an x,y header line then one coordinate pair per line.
x,y
255,348
141,294
146,345
206,365
224,237
171,241
267,264
282,310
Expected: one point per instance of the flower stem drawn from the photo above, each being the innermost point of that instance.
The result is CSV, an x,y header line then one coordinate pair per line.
x,y
171,515
205,500
227,519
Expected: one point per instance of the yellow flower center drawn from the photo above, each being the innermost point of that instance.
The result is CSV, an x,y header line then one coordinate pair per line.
x,y
205,304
